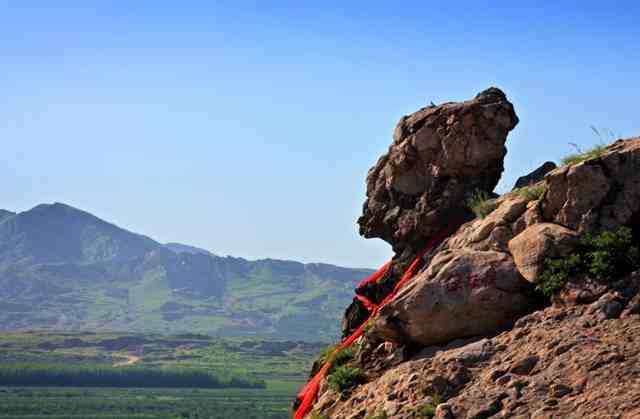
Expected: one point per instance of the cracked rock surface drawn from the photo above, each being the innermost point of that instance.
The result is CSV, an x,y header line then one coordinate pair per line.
x,y
439,156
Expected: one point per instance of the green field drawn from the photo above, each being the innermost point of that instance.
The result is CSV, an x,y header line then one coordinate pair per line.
x,y
110,403
282,367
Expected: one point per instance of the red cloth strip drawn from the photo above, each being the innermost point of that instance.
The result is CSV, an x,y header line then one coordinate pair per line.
x,y
309,392
376,276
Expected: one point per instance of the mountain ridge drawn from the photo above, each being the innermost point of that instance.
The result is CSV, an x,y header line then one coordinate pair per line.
x,y
62,267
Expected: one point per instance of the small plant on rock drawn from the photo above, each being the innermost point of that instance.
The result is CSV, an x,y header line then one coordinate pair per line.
x,y
379,415
603,256
345,378
427,410
481,204
580,156
316,415
530,193
604,136
327,352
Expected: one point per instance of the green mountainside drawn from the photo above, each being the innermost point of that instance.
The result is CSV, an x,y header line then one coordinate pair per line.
x,y
64,269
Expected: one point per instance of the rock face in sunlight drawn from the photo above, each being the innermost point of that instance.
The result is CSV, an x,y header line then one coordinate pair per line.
x,y
530,310
439,156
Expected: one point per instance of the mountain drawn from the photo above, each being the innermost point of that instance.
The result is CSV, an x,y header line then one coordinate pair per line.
x,y
64,268
185,248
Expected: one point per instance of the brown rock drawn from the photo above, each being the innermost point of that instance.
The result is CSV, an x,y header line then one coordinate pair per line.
x,y
524,365
462,293
559,390
601,193
439,156
537,243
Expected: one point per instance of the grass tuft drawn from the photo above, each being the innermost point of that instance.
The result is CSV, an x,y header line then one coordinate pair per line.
x,y
345,378
530,193
481,204
592,153
379,415
427,410
602,256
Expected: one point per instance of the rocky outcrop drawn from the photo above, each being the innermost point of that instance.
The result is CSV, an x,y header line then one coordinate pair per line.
x,y
462,293
469,337
599,193
539,242
439,156
535,176
561,362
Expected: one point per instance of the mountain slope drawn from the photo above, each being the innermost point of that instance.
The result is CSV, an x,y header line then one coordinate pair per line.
x,y
63,268
58,233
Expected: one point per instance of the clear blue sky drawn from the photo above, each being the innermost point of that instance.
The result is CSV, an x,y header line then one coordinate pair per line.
x,y
247,128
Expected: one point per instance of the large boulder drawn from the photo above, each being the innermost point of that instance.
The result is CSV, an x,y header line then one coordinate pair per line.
x,y
439,156
600,193
539,242
462,293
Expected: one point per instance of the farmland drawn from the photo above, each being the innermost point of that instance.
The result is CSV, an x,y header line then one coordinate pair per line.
x,y
255,378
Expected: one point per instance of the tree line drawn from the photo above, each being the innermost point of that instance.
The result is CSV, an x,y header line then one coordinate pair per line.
x,y
50,375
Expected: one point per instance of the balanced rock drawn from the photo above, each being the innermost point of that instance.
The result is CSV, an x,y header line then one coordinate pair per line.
x,y
439,156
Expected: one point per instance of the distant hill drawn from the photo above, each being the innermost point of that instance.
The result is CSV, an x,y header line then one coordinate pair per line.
x,y
184,248
63,268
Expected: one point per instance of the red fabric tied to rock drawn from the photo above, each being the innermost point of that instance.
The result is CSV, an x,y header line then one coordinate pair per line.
x,y
309,392
376,276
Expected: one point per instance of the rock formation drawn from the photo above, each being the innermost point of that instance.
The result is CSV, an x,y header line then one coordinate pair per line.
x,y
439,156
535,176
469,336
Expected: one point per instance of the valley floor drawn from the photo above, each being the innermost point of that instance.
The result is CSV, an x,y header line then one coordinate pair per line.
x,y
112,403
280,366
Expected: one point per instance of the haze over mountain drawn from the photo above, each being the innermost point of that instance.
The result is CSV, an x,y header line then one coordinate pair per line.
x,y
63,268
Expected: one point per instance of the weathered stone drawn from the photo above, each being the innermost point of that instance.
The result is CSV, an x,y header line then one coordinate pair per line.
x,y
537,243
535,176
462,293
439,156
559,390
524,365
600,193
492,232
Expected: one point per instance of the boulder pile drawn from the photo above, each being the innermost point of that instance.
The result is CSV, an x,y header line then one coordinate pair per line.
x,y
470,336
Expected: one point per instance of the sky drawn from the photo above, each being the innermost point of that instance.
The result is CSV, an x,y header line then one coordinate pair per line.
x,y
247,128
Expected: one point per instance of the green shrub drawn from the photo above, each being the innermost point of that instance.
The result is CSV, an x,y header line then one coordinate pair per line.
x,y
427,410
344,378
381,415
345,355
481,204
326,353
340,358
530,193
602,256
316,415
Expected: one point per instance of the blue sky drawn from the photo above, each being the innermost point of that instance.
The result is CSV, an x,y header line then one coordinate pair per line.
x,y
247,128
